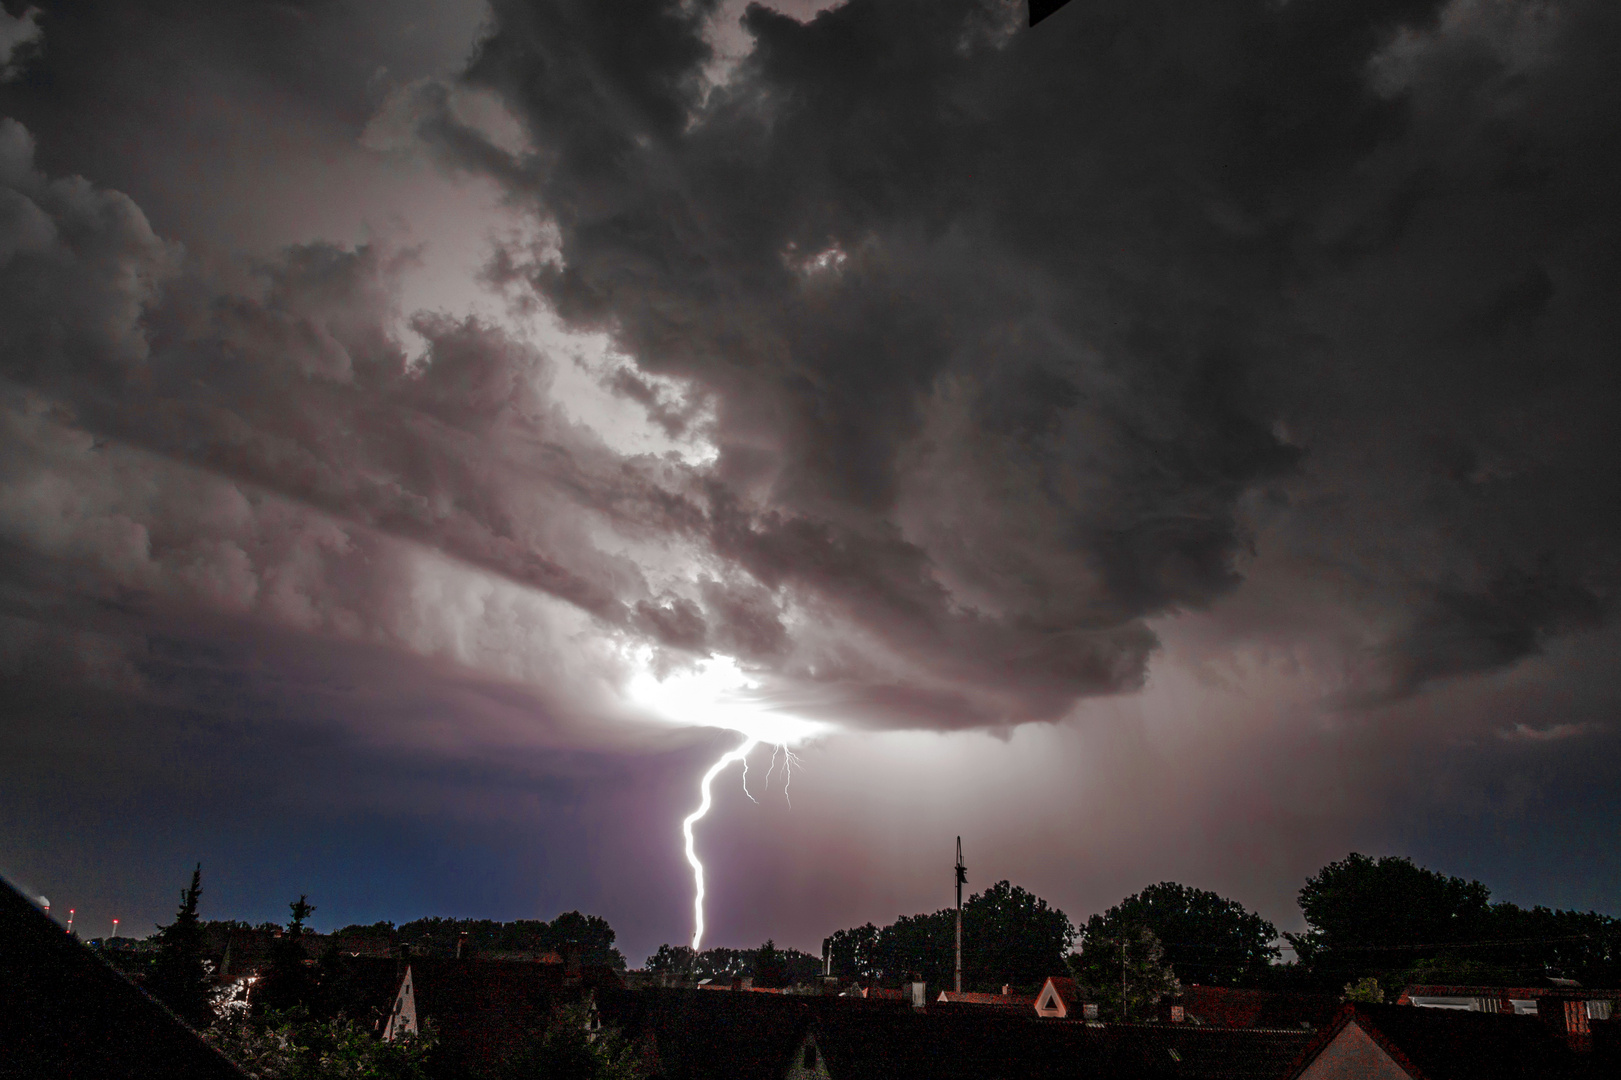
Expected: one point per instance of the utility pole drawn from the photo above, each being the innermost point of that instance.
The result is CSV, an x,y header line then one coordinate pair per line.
x,y
1125,1007
962,876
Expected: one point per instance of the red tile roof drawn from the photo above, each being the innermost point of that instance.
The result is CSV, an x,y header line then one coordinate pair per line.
x,y
1010,1001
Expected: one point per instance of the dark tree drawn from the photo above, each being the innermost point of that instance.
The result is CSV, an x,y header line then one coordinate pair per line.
x,y
438,936
1206,938
770,966
287,982
672,961
1009,936
1583,945
854,952
1376,916
573,1045
1124,971
592,933
180,977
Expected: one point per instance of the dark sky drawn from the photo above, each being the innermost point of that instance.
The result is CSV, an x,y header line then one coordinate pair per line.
x,y
1177,442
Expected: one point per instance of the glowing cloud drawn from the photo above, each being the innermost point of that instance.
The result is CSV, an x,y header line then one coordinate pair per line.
x,y
718,694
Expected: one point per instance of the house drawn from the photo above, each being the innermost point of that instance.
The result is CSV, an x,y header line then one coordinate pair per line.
x,y
697,1036
1060,999
1563,1006
65,1012
362,988
953,1043
485,1010
1396,1042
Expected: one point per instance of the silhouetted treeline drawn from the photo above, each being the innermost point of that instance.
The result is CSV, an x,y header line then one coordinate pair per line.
x,y
1390,919
1384,919
1009,936
487,937
767,965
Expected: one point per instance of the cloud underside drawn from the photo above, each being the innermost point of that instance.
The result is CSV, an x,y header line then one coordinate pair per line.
x,y
1008,343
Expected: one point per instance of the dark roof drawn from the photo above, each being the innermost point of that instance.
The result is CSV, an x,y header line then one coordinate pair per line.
x,y
700,1035
986,1044
1445,1044
64,1012
361,987
483,1010
1224,1006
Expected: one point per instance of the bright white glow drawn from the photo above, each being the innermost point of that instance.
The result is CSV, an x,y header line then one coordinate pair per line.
x,y
718,694
740,754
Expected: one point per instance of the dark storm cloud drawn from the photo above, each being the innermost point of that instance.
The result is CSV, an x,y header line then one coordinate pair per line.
x,y
1005,327
1010,342
272,452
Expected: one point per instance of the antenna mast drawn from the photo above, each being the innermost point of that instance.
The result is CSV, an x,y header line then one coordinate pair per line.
x,y
962,876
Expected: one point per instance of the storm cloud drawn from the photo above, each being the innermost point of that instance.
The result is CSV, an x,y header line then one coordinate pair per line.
x,y
1019,339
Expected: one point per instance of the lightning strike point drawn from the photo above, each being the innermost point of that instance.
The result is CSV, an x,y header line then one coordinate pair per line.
x,y
740,754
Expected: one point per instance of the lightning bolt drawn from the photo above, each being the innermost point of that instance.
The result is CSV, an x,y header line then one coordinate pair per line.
x,y
773,767
746,791
789,760
740,754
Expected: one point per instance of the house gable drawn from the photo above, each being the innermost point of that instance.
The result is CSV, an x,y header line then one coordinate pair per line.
x,y
402,1019
1352,1054
1056,998
807,1062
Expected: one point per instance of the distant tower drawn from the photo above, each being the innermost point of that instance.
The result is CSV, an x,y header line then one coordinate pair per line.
x,y
962,876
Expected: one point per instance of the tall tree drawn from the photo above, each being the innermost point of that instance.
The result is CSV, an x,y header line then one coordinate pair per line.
x,y
1206,937
180,977
1372,916
1010,935
770,966
1124,971
287,982
854,952
592,933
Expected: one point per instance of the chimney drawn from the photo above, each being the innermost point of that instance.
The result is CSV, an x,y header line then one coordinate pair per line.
x,y
461,945
827,957
1005,989
920,991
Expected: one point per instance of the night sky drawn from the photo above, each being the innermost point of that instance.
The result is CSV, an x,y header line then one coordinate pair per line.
x,y
1180,441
